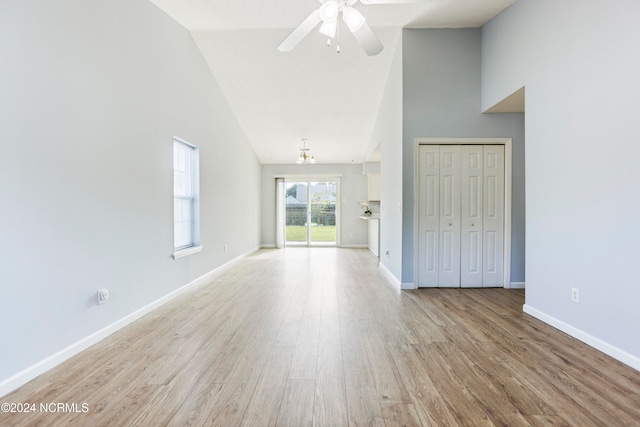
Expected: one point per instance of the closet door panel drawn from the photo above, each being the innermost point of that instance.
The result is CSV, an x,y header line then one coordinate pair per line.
x,y
493,213
449,272
471,178
461,216
429,223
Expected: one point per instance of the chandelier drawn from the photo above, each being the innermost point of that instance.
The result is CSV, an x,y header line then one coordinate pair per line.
x,y
305,154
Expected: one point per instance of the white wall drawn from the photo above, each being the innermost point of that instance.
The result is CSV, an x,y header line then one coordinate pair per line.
x,y
441,99
387,132
353,187
578,60
91,94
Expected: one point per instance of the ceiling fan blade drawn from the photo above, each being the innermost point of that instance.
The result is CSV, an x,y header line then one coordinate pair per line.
x,y
398,1
300,32
368,40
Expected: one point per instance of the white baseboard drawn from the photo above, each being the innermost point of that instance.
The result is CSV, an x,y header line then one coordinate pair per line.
x,y
267,245
10,384
354,246
408,286
389,275
606,348
517,285
394,279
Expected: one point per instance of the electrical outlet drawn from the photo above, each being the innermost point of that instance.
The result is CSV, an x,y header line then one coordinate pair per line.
x,y
226,249
386,252
575,295
103,296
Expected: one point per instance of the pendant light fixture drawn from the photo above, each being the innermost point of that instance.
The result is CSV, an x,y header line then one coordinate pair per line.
x,y
305,155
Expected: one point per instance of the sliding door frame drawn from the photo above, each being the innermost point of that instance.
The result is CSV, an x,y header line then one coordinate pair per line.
x,y
507,195
314,178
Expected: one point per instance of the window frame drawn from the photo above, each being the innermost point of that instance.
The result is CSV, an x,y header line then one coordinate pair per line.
x,y
192,184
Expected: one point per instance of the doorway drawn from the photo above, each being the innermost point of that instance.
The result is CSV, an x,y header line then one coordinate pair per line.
x,y
463,213
310,212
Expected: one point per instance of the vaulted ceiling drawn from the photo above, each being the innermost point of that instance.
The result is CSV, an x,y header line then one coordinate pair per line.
x,y
312,92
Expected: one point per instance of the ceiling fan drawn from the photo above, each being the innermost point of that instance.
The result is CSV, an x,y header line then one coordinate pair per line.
x,y
328,14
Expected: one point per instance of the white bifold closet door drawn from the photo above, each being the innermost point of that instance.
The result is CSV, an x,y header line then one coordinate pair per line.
x,y
461,220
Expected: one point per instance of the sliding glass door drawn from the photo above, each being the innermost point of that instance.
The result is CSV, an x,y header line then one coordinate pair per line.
x,y
296,213
310,212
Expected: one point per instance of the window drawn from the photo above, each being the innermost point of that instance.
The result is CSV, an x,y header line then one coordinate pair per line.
x,y
185,199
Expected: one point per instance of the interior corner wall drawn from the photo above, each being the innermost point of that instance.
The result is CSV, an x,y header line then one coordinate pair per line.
x,y
92,94
387,132
353,187
441,99
578,61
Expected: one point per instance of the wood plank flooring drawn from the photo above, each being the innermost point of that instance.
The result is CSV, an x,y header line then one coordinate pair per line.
x,y
319,337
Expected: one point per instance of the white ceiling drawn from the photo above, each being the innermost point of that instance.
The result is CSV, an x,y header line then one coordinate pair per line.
x,y
311,92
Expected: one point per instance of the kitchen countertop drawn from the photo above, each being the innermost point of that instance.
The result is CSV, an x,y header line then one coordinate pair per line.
x,y
372,216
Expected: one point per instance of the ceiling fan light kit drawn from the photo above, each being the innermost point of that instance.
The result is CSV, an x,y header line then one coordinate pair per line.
x,y
329,28
353,19
328,13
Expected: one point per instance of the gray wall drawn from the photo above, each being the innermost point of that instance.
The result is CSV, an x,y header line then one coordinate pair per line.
x,y
353,187
441,99
91,96
579,62
387,132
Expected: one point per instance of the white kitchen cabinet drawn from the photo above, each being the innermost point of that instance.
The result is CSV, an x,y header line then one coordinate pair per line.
x,y
374,235
374,187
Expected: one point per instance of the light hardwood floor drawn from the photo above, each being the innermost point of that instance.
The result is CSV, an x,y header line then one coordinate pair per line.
x,y
302,337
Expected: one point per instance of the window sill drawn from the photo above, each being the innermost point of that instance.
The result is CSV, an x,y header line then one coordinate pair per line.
x,y
186,252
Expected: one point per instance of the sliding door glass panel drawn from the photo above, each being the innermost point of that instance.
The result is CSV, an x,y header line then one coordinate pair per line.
x,y
296,216
322,212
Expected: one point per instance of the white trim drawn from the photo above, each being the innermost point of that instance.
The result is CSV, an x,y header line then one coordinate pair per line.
x,y
516,285
507,142
281,213
185,142
605,347
9,384
307,176
338,211
186,252
355,246
408,286
462,141
389,275
268,246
